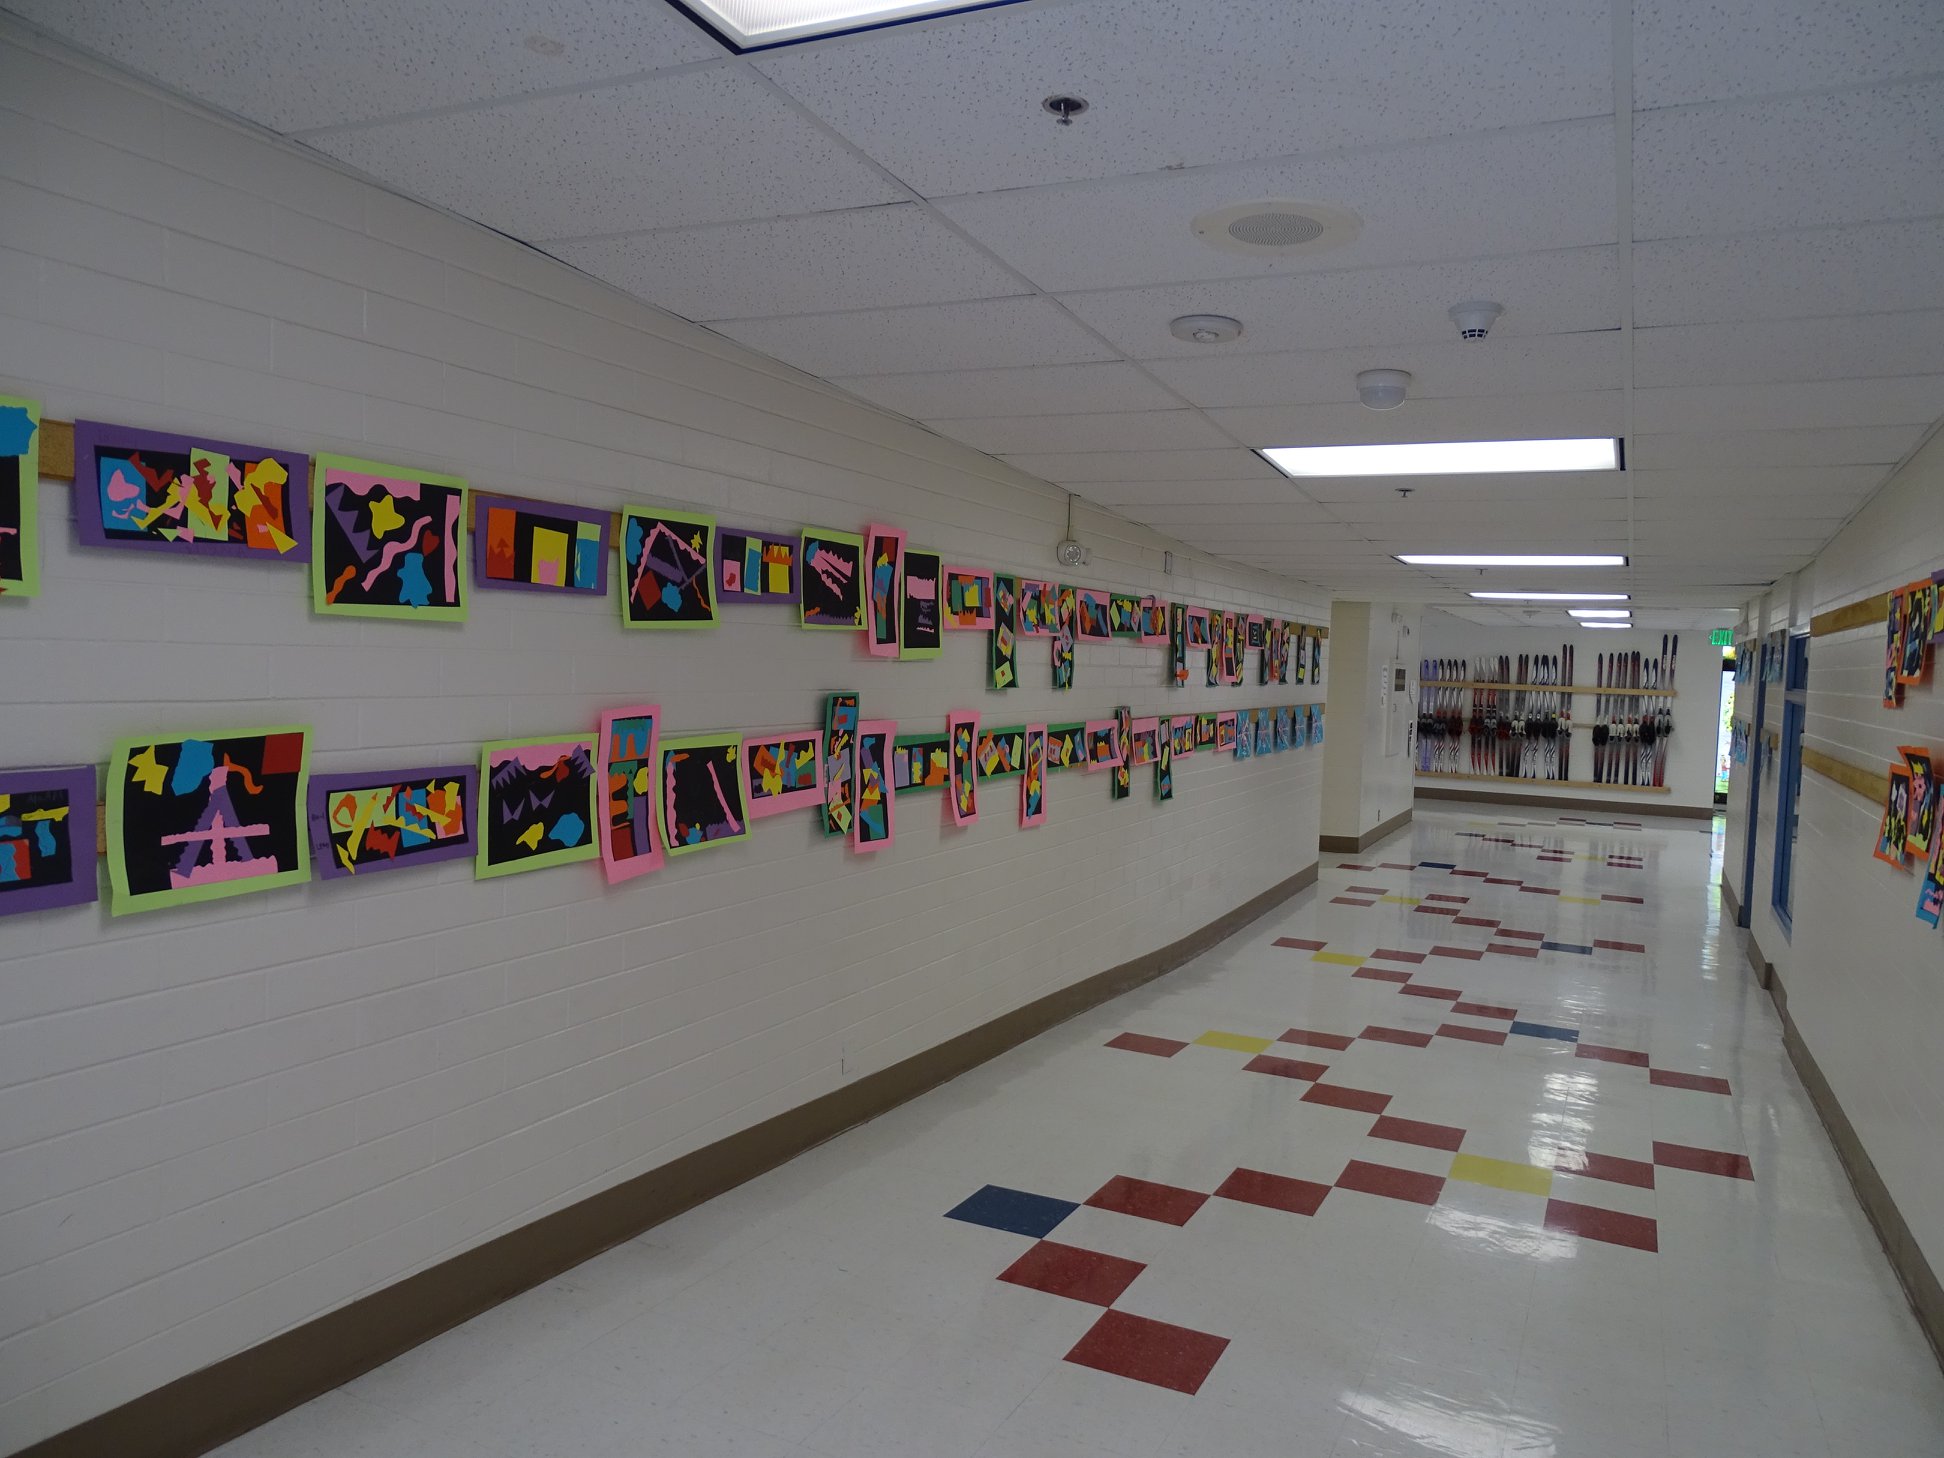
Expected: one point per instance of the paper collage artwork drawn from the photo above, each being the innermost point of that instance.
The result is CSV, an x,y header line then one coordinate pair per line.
x,y
666,566
371,821
1145,741
1123,781
1164,769
1032,783
539,546
1066,746
387,542
1181,734
783,771
1204,731
1894,830
702,793
1153,622
1225,731
1003,641
1198,628
194,819
1178,645
1245,734
832,579
883,589
180,493
536,805
968,598
1065,611
1103,744
47,838
921,763
20,437
1923,800
840,764
1124,614
919,629
755,566
626,759
1093,622
874,826
1001,752
1038,608
963,732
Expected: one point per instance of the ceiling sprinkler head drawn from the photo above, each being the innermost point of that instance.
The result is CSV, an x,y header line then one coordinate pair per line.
x,y
1383,389
1064,108
1475,317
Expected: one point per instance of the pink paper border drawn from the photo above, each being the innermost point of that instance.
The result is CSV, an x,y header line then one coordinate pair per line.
x,y
1177,722
1134,731
651,860
1094,726
794,799
952,723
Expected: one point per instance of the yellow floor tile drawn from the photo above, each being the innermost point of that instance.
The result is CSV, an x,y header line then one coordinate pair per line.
x,y
1581,900
1400,900
1501,1174
1340,959
1239,1042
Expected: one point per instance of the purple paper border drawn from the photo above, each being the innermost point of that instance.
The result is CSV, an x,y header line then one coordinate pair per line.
x,y
603,519
765,599
79,781
324,858
92,435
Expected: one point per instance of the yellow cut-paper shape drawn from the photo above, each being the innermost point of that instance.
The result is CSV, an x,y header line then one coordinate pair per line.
x,y
146,771
384,515
530,837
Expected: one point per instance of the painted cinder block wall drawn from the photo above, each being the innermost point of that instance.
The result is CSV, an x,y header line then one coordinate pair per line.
x,y
217,1124
1365,783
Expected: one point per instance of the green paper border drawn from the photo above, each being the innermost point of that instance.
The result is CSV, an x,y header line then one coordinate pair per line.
x,y
849,539
121,902
460,547
28,583
920,655
484,870
693,519
943,741
701,741
1078,726
1018,729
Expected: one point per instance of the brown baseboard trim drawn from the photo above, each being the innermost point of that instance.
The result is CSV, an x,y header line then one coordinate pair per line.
x,y
1633,807
1907,1258
207,1408
1729,902
1765,973
1369,838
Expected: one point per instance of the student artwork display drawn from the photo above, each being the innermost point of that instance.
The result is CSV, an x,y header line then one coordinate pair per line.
x,y
1214,679
1199,634
1245,734
19,496
1917,624
921,763
362,823
1164,769
702,792
782,772
962,730
1181,734
968,598
1039,612
884,567
832,579
874,826
1124,614
1923,800
840,763
1001,752
539,546
1225,731
1153,622
1003,646
920,632
182,493
665,569
194,819
1066,746
1285,737
1316,723
1103,744
1144,740
1065,610
1316,657
1204,731
1894,829
1178,646
387,542
536,805
47,838
1930,894
1032,783
755,566
1265,732
1123,782
627,755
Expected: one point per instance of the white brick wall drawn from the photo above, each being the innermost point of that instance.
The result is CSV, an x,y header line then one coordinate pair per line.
x,y
217,1124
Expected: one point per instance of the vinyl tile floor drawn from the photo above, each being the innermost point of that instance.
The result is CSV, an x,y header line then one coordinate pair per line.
x,y
1485,1147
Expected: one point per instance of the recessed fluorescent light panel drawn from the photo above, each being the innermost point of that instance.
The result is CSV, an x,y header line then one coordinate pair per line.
x,y
1600,612
1447,458
1553,596
1460,559
760,25
1603,625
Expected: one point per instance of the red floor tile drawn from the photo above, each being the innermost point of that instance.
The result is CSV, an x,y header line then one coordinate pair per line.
x,y
1436,910
1422,989
1338,1041
1630,900
1351,866
1609,1167
1391,954
1589,1222
1541,890
1370,890
1446,896
1494,1036
1381,974
1146,1200
1286,1067
1474,921
1511,949
1523,936
1394,866
1300,944
1278,1192
1611,1055
1503,881
1485,1010
1067,1270
1699,1082
1619,946
1415,1131
1552,858
1149,1351
1478,875
1142,1043
1469,954
1392,1184
1339,1097
1701,1161
1377,1034
1350,901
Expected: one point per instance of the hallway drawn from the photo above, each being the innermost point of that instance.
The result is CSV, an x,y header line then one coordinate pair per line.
x,y
1485,1145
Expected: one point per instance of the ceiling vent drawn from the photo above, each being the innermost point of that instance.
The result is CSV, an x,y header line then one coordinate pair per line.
x,y
1277,228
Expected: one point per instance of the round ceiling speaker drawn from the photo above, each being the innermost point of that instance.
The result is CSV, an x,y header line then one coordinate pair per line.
x,y
1277,228
1205,329
1383,389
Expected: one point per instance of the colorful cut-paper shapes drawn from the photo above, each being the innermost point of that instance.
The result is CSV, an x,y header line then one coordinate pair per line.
x,y
968,598
962,731
1038,608
1225,735
832,579
1153,622
783,771
1103,744
536,805
387,542
1146,741
181,493
840,764
625,765
1164,769
883,591
1001,752
539,546
921,764
19,496
874,827
919,628
665,569
1032,783
1093,622
1003,641
753,566
193,819
702,792
1124,614
47,827
376,821
1066,746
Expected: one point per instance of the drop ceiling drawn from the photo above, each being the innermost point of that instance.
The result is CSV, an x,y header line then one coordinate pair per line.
x,y
1717,231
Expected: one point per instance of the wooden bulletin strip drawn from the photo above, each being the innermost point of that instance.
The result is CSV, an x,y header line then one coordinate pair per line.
x,y
1548,688
1435,779
1869,783
1851,615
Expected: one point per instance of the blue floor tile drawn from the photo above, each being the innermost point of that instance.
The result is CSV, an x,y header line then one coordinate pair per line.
x,y
1439,865
1015,1210
1543,1030
1567,947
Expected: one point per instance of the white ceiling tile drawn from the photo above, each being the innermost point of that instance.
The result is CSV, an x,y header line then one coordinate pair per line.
x,y
955,108
1546,293
1794,406
1502,417
1503,364
694,147
291,66
1435,200
860,258
1228,495
1705,50
987,334
1152,430
1036,390
1799,162
1490,488
1758,487
1211,465
1837,447
1880,268
1859,346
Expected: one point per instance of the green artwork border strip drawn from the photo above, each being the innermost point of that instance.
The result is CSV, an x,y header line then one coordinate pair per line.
x,y
484,870
320,465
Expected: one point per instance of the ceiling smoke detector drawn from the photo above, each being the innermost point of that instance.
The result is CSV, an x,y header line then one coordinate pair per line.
x,y
1475,317
1205,329
1383,389
1277,228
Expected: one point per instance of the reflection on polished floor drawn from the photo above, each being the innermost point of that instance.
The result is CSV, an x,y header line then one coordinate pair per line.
x,y
1486,1146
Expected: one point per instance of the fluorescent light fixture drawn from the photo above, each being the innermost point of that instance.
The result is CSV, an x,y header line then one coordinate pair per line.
x,y
1447,458
1486,559
1603,625
1600,612
1552,596
756,25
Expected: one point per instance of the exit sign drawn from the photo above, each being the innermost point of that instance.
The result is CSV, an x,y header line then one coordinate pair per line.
x,y
1721,637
